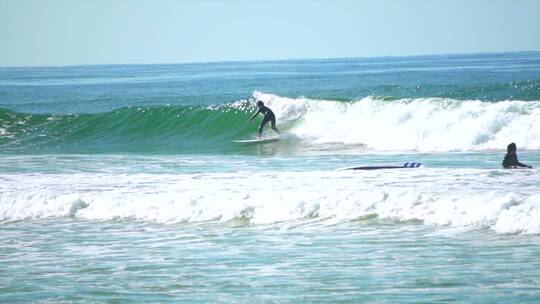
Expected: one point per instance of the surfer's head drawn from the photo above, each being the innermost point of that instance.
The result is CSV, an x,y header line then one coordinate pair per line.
x,y
511,148
260,103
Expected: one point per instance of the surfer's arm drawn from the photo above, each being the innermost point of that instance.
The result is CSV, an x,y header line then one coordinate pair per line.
x,y
518,164
259,111
522,165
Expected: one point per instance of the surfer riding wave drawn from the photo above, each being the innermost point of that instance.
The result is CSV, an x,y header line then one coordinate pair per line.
x,y
268,117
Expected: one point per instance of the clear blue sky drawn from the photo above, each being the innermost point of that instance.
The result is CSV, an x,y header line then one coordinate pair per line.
x,y
73,32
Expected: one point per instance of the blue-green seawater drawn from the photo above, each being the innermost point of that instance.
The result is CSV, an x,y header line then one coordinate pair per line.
x,y
123,183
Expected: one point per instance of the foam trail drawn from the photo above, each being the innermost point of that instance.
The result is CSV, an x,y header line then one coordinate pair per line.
x,y
425,124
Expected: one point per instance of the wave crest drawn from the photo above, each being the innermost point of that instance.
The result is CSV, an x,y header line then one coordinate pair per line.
x,y
375,123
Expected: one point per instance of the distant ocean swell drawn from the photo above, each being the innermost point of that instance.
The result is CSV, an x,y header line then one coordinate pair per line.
x,y
377,123
515,90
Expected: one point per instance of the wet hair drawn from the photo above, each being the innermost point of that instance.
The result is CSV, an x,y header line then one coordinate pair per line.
x,y
260,103
511,148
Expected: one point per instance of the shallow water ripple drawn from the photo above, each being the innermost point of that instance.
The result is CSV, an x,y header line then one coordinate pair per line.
x,y
79,261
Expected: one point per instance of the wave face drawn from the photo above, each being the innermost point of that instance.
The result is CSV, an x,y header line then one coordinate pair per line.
x,y
372,123
162,129
500,200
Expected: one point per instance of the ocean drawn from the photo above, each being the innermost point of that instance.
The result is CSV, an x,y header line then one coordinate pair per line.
x,y
123,183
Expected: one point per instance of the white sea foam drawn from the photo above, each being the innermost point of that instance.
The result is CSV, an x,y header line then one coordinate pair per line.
x,y
424,124
461,198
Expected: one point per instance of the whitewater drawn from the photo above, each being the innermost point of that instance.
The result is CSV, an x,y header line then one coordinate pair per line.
x,y
274,197
423,124
124,183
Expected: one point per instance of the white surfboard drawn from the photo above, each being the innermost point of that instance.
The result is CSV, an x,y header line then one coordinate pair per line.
x,y
257,140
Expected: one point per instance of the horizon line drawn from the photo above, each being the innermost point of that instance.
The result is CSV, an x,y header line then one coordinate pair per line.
x,y
269,59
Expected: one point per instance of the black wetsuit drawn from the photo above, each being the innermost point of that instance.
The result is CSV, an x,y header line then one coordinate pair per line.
x,y
511,161
268,117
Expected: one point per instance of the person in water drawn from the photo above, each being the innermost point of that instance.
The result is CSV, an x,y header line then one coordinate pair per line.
x,y
268,117
510,159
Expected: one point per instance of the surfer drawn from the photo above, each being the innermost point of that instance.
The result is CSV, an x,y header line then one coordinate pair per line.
x,y
268,117
510,159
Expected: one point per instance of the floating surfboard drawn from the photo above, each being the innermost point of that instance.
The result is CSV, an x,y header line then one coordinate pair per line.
x,y
257,140
405,165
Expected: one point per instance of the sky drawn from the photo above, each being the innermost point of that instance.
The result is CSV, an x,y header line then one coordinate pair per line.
x,y
81,32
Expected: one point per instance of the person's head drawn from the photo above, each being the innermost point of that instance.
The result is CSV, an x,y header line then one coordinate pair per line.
x,y
511,148
260,104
